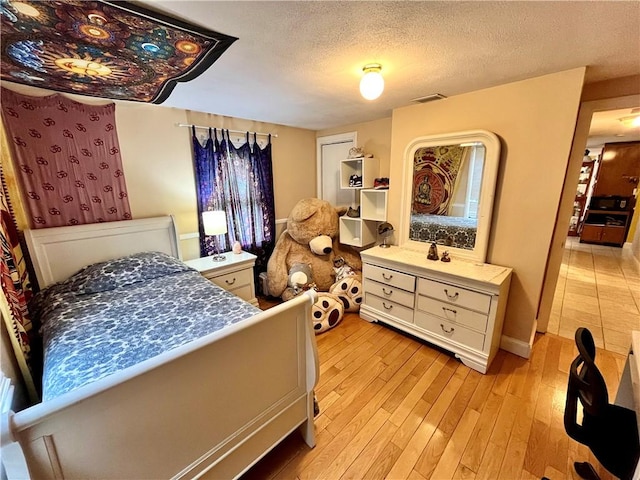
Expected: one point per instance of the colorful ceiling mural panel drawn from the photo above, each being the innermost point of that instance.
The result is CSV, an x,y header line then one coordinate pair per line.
x,y
103,49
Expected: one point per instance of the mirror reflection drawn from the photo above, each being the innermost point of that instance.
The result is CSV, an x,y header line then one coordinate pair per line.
x,y
446,188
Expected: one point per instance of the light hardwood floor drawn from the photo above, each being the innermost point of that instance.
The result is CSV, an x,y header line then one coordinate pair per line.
x,y
393,407
598,288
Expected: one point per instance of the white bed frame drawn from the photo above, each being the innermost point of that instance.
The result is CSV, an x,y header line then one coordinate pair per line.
x,y
208,409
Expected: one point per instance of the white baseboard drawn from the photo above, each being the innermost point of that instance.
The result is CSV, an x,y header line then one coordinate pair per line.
x,y
515,346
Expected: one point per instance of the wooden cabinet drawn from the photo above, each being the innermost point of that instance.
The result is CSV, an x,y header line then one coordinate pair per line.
x,y
606,227
234,274
458,306
619,171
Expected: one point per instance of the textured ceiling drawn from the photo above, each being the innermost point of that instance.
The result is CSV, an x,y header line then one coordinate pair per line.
x,y
298,63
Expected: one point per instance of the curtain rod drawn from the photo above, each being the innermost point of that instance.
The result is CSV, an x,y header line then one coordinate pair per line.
x,y
275,135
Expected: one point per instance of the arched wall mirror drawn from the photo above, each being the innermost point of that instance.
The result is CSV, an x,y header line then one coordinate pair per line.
x,y
448,190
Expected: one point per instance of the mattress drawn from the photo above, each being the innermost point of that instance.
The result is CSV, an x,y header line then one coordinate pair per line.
x,y
115,314
458,232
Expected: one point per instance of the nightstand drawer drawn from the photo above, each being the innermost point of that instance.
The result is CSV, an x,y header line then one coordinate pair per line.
x,y
453,313
389,293
477,301
390,277
450,330
245,292
233,280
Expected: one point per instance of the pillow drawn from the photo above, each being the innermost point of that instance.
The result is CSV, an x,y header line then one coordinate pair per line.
x,y
120,272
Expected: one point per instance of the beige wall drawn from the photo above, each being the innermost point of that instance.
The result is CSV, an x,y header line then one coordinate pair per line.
x,y
525,115
534,119
374,137
158,164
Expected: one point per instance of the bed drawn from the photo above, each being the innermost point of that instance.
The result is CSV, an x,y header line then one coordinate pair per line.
x,y
206,401
456,232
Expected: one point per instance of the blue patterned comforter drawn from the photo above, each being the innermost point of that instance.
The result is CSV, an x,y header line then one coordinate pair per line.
x,y
113,315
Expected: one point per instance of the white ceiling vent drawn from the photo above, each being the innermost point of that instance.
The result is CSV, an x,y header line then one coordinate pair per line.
x,y
429,98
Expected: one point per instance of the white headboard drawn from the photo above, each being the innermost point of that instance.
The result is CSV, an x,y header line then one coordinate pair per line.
x,y
59,252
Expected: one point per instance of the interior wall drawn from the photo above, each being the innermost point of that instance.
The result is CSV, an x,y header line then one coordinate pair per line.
x,y
525,115
158,163
374,137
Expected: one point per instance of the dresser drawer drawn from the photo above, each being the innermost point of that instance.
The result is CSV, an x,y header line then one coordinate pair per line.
x,y
390,277
449,330
453,313
390,308
389,293
234,280
479,302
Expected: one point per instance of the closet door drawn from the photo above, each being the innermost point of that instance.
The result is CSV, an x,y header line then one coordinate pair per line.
x,y
331,150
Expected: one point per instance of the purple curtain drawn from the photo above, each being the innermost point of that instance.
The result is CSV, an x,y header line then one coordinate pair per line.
x,y
238,180
68,157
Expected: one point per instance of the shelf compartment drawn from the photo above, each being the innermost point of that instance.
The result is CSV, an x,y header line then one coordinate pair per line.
x,y
358,232
373,205
366,168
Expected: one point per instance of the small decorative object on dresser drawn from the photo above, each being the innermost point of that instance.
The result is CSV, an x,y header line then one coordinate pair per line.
x,y
433,252
234,273
237,248
458,306
445,256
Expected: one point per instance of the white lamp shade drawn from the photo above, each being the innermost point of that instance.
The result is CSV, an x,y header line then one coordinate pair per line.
x,y
215,222
371,84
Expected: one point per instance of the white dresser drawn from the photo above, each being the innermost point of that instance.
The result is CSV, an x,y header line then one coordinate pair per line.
x,y
458,305
234,273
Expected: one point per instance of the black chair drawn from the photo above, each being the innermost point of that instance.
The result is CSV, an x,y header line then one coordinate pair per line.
x,y
610,431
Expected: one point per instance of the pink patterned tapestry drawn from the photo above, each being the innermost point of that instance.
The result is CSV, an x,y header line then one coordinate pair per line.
x,y
69,159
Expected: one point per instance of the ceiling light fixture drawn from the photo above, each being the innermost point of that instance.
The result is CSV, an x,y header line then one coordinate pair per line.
x,y
372,83
630,121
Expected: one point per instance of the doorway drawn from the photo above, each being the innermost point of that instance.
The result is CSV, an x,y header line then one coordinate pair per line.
x,y
559,248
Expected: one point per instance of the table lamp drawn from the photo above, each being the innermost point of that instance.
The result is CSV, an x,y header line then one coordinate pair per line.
x,y
215,223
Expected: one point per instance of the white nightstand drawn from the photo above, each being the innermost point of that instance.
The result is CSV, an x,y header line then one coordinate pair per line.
x,y
234,274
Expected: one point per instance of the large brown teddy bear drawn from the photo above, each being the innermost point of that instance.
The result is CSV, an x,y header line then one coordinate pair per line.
x,y
311,242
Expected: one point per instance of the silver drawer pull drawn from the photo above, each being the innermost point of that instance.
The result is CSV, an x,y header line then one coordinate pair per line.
x,y
230,282
445,330
455,312
384,275
387,293
450,297
387,307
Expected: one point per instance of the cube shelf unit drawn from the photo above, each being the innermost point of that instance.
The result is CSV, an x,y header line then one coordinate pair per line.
x,y
363,231
366,167
373,204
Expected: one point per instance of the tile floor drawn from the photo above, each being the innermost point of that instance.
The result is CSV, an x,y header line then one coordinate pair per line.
x,y
598,288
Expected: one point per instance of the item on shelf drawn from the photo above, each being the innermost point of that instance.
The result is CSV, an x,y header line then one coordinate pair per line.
x,y
355,180
381,183
237,248
433,252
356,152
613,222
353,212
445,256
385,229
